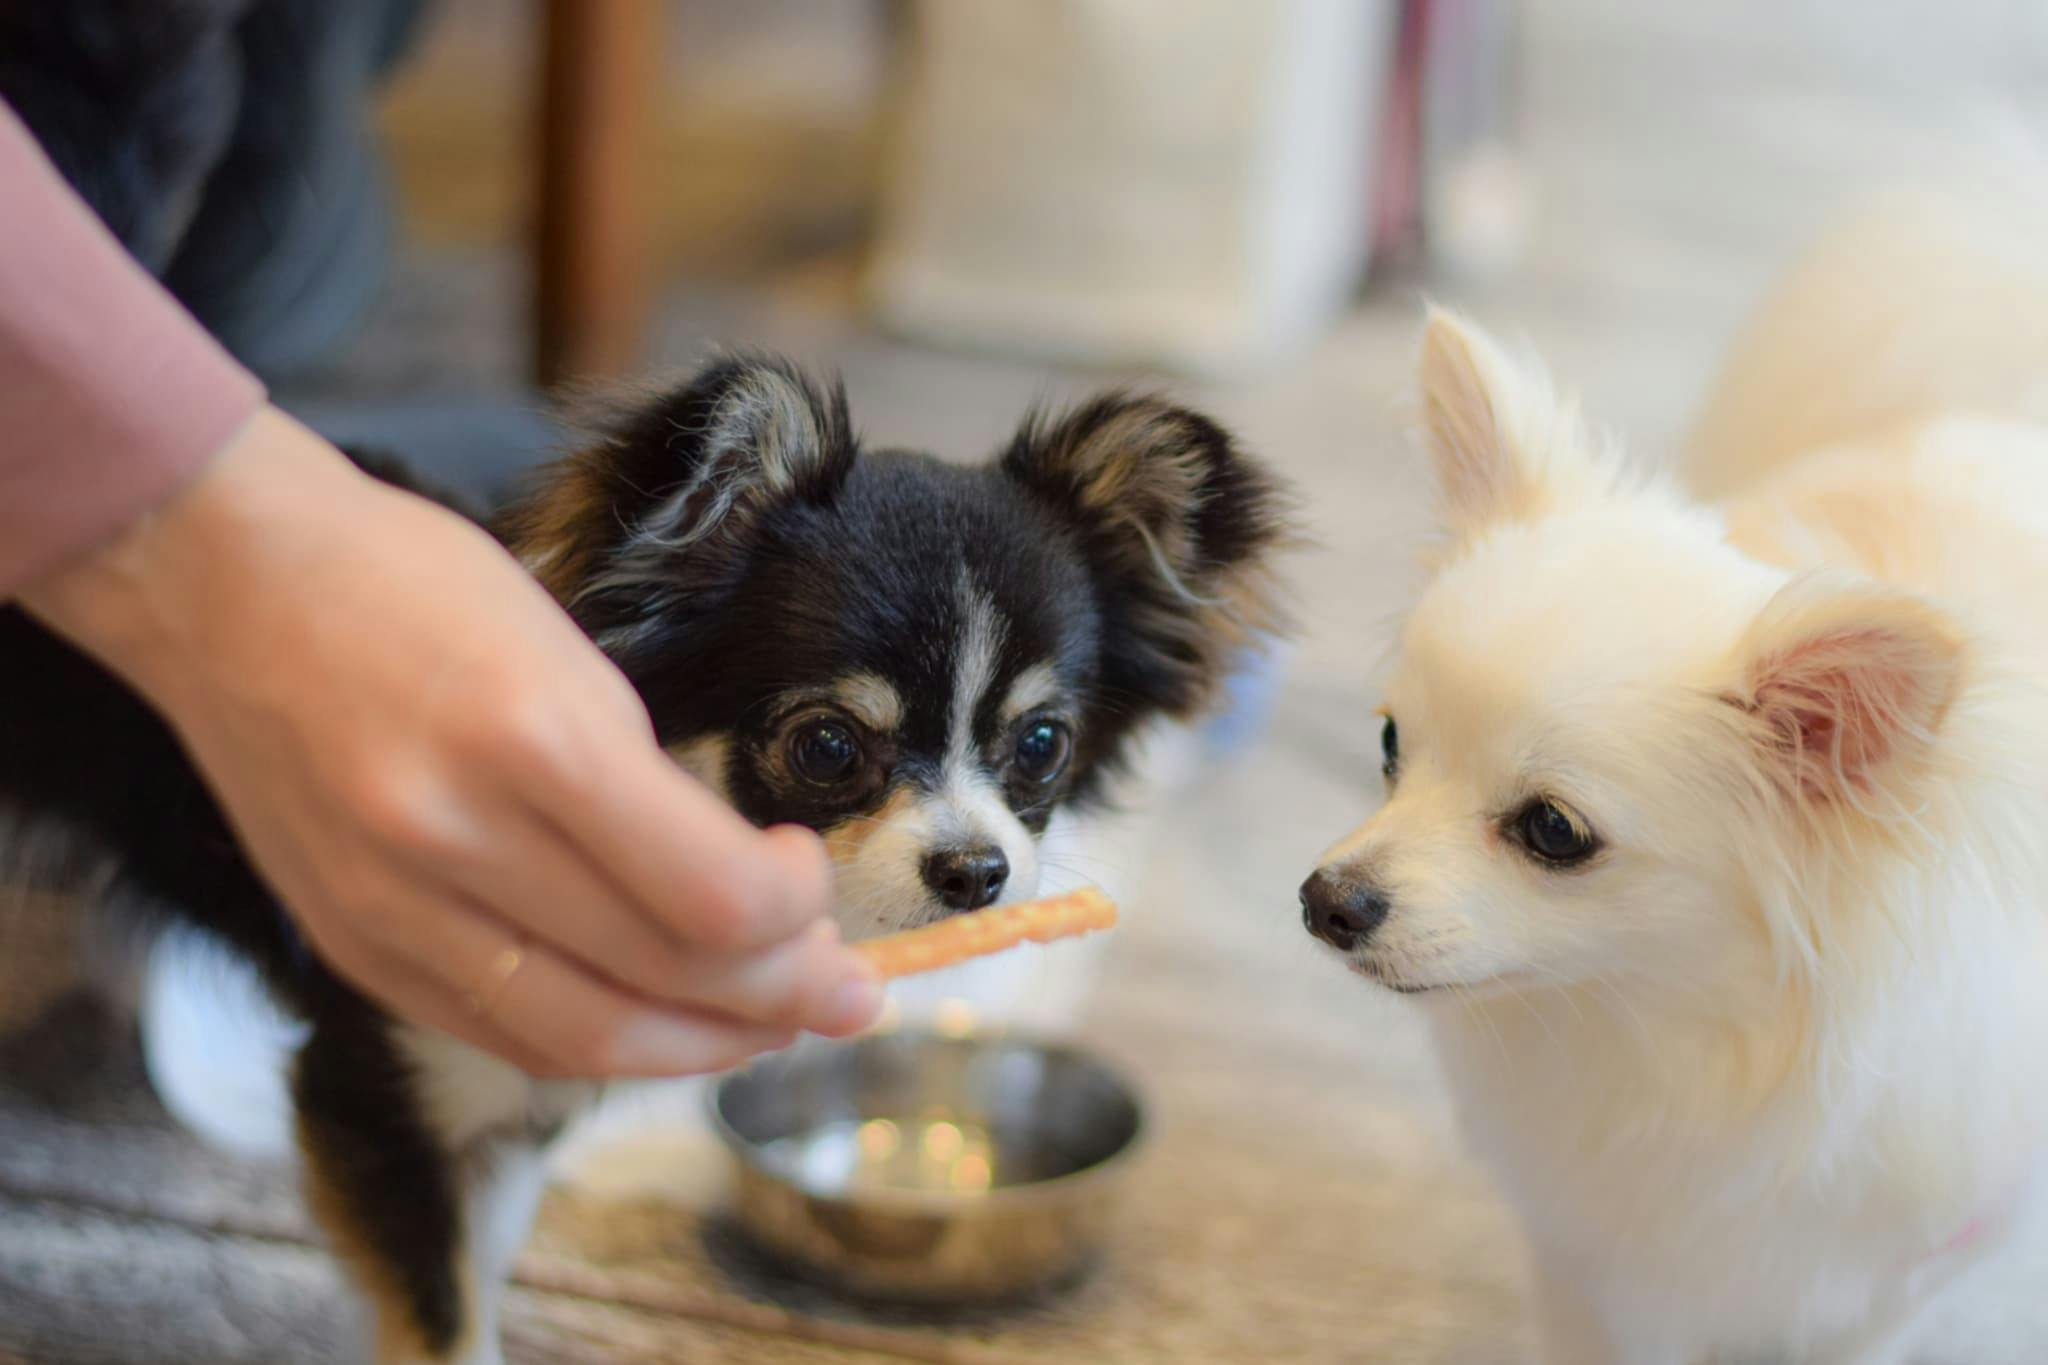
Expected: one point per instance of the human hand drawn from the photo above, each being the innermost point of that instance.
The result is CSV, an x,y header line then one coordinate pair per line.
x,y
456,795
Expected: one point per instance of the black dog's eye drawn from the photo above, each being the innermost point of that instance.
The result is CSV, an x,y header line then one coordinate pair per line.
x,y
824,752
1043,749
1554,834
1390,749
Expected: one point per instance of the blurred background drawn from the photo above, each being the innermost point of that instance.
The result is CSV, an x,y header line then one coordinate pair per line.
x,y
1187,187
966,206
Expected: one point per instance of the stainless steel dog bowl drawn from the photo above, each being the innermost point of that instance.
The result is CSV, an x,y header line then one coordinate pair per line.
x,y
918,1165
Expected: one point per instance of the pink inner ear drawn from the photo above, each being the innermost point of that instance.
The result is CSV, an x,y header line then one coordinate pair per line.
x,y
1843,704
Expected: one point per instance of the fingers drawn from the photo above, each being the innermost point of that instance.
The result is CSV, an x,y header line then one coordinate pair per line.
x,y
449,970
589,1031
394,982
540,885
690,861
810,981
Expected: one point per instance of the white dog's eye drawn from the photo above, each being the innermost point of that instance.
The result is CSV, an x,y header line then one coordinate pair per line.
x,y
1554,834
1390,749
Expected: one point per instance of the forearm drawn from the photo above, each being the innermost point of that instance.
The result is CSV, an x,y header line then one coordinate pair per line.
x,y
272,503
111,396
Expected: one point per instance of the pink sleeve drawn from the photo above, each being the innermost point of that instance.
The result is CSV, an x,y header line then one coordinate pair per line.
x,y
111,396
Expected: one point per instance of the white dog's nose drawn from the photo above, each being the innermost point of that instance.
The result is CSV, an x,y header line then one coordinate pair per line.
x,y
1339,910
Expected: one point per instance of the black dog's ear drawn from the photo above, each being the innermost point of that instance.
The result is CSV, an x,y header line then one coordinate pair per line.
x,y
1179,526
659,502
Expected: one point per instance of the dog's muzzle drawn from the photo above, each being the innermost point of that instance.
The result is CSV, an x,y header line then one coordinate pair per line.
x,y
1339,910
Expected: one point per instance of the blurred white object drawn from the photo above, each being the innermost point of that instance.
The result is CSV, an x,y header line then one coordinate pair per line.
x,y
1478,203
1481,210
216,1048
1177,182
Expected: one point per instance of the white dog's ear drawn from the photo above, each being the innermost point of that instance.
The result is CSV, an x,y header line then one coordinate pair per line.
x,y
1480,414
1850,682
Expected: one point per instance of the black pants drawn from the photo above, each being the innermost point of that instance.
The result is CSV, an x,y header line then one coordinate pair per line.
x,y
226,144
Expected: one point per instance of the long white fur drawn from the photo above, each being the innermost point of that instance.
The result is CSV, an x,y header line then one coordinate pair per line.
x,y
1765,1077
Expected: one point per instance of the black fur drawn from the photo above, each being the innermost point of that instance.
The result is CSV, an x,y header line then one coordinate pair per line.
x,y
134,101
1177,527
860,554
361,1127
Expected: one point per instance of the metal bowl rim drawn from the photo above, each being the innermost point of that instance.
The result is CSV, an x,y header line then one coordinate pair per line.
x,y
998,1199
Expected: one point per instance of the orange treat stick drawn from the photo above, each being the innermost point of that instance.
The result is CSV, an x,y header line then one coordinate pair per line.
x,y
981,932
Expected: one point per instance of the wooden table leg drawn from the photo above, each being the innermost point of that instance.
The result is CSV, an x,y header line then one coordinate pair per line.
x,y
600,60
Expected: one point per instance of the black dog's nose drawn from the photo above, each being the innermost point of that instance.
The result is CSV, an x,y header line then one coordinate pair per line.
x,y
1340,911
967,878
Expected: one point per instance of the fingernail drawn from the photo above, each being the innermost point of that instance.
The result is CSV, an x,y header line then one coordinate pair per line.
x,y
854,1005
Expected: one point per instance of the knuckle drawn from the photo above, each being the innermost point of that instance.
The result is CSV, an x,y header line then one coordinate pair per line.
x,y
792,1002
799,985
401,809
529,732
721,916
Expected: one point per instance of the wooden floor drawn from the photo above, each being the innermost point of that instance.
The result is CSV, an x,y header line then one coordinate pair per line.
x,y
1305,1199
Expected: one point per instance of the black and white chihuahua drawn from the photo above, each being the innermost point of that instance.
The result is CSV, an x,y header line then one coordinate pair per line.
x,y
920,660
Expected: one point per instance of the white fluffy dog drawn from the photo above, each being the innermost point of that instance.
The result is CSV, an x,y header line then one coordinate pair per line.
x,y
1716,840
